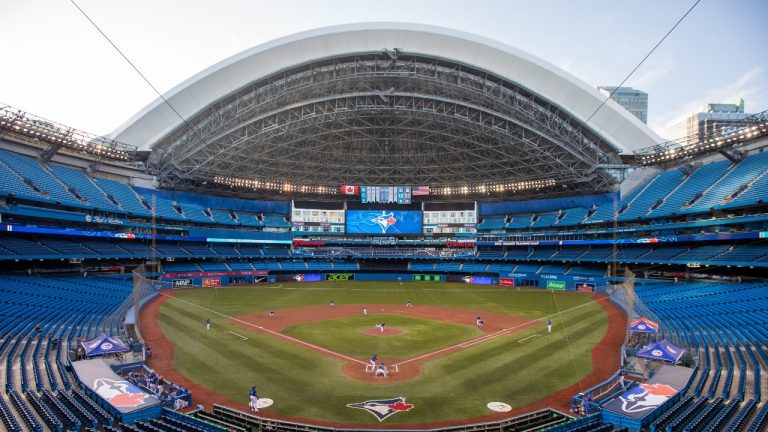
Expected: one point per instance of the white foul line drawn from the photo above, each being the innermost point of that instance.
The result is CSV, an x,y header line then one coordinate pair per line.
x,y
272,332
238,335
494,335
526,338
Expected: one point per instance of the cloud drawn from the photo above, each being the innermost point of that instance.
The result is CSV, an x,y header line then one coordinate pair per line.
x,y
649,77
748,86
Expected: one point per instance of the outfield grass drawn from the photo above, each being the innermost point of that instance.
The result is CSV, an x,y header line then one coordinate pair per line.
x,y
308,384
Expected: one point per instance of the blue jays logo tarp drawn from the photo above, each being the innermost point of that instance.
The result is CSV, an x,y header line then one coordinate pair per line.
x,y
646,397
383,408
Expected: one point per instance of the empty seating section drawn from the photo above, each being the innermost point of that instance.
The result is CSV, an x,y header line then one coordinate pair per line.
x,y
123,194
545,219
276,221
744,253
661,185
65,309
491,223
694,184
174,267
85,187
23,246
30,169
13,184
573,216
725,323
222,217
710,186
519,221
742,174
249,219
164,208
194,212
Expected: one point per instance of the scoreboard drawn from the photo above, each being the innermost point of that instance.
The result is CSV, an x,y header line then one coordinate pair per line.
x,y
385,194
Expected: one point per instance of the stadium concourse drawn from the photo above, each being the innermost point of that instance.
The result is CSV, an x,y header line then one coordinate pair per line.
x,y
323,157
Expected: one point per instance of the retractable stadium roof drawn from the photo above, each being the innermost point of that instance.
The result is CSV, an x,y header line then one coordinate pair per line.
x,y
386,104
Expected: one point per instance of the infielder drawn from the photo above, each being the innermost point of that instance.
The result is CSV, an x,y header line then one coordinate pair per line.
x,y
365,310
549,326
253,400
381,327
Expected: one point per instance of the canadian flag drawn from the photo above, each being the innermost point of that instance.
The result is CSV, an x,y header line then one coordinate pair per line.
x,y
350,190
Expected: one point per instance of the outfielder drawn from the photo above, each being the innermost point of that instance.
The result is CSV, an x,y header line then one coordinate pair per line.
x,y
549,326
208,324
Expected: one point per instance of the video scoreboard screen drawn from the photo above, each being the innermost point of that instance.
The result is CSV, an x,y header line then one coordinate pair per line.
x,y
385,194
383,222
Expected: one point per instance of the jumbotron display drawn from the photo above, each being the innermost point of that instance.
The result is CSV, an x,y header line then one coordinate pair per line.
x,y
384,222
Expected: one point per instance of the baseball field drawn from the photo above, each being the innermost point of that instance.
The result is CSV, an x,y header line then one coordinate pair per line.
x,y
310,357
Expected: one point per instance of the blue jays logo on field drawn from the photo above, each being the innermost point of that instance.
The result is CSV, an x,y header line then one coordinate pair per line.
x,y
646,397
383,408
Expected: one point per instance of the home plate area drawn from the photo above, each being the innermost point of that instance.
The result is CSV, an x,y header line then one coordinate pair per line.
x,y
383,371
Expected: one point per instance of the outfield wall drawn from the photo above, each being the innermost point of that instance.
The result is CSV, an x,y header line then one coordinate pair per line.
x,y
559,282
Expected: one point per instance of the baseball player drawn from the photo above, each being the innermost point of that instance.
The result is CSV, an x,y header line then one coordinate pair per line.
x,y
365,310
381,370
479,322
549,326
332,303
253,400
271,314
408,304
208,324
381,327
374,357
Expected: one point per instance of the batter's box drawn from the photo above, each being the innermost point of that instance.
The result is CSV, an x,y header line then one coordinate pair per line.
x,y
391,369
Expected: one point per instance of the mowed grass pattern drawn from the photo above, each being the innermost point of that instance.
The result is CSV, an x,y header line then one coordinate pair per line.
x,y
345,335
307,384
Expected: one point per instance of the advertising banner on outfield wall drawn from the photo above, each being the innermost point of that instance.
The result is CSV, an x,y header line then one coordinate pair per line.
x,y
182,283
427,278
585,287
474,280
556,285
340,276
309,277
506,281
211,282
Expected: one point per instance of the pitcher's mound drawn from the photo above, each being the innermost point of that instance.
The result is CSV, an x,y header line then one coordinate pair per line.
x,y
388,331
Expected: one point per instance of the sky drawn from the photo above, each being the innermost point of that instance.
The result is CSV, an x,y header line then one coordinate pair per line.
x,y
56,65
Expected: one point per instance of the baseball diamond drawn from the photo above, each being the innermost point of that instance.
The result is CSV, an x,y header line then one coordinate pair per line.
x,y
311,359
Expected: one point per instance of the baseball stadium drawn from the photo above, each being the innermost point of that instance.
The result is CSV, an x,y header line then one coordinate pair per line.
x,y
382,226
